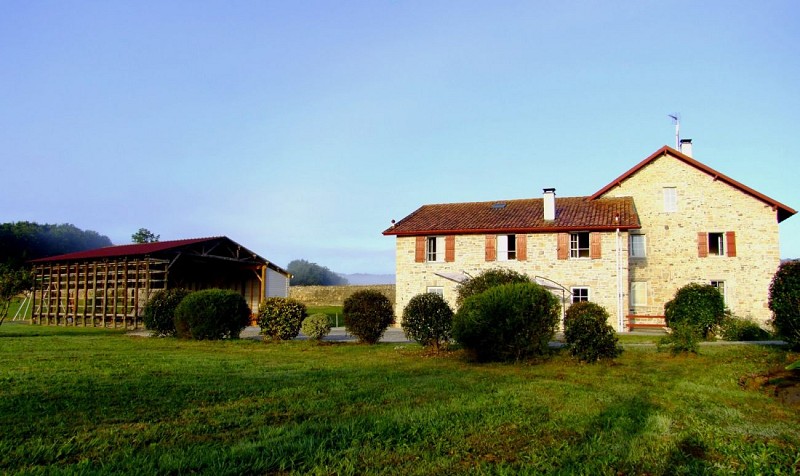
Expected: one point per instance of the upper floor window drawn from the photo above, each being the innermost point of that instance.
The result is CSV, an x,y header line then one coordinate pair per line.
x,y
638,248
670,199
435,248
580,294
506,247
579,245
716,244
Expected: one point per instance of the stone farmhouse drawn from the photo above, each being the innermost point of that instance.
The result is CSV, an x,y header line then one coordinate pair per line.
x,y
668,221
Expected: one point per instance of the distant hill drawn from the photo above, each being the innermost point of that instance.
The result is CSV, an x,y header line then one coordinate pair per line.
x,y
361,279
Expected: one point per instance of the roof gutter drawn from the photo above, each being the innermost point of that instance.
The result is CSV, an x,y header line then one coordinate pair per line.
x,y
483,231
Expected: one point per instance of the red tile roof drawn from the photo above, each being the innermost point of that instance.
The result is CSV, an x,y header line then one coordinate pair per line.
x,y
135,249
783,211
519,216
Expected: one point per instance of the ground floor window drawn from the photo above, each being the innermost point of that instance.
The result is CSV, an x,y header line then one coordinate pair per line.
x,y
436,290
580,294
720,285
638,293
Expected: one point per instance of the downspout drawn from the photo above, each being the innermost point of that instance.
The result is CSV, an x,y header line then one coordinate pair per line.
x,y
620,323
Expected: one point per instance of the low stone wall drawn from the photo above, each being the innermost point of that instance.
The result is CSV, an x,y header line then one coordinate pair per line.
x,y
335,295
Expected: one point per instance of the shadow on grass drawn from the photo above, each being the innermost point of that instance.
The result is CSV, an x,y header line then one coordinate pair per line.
x,y
26,329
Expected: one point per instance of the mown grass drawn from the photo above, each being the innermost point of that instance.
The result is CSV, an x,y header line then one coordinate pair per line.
x,y
89,401
14,306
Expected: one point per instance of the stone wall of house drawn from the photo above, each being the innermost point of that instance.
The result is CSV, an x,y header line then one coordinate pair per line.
x,y
705,205
599,275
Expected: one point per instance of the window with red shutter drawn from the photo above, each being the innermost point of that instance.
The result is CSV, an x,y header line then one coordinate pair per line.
x,y
491,247
419,251
594,246
702,244
450,248
563,246
522,247
730,238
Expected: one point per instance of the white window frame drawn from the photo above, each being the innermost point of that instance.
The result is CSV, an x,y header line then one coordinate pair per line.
x,y
721,284
638,290
720,246
580,290
435,290
641,251
575,249
670,199
434,249
506,247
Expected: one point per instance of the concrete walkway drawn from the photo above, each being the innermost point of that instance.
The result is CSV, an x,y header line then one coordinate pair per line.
x,y
396,335
337,334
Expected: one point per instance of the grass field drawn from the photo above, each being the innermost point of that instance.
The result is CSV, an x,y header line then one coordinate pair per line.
x,y
89,401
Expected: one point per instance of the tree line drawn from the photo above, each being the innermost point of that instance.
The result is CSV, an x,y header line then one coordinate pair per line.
x,y
312,274
23,241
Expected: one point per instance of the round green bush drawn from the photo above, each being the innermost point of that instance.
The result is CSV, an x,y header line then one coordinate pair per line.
x,y
488,279
316,326
367,314
588,334
784,302
428,320
158,314
740,329
698,305
508,322
280,318
682,339
212,314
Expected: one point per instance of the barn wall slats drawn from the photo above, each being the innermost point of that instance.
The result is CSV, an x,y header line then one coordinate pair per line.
x,y
103,293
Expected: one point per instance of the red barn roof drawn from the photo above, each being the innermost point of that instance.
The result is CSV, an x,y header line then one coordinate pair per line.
x,y
212,247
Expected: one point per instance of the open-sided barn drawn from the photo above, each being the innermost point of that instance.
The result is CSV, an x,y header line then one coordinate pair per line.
x,y
110,286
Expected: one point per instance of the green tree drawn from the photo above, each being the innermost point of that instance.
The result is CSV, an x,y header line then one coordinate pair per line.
x,y
784,302
145,236
311,274
23,241
12,283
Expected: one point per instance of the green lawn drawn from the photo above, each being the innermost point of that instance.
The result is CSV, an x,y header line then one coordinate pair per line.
x,y
88,401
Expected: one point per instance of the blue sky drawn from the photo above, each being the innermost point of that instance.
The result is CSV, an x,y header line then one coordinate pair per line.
x,y
301,128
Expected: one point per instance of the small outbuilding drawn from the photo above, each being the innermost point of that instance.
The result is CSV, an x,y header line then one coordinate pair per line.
x,y
110,286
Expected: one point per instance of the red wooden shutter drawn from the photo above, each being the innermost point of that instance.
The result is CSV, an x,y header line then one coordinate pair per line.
x,y
730,243
450,248
419,252
702,244
594,245
522,247
491,247
563,245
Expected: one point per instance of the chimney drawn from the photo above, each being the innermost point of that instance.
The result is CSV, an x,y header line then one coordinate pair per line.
x,y
686,147
549,204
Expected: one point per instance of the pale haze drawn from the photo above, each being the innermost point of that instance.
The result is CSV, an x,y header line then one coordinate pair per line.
x,y
300,129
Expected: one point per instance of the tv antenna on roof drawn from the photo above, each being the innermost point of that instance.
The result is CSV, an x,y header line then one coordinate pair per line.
x,y
676,119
